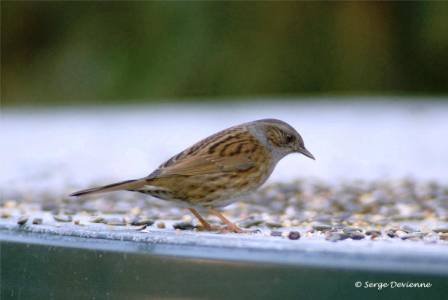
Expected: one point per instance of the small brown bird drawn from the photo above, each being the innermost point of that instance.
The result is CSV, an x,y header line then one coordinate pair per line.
x,y
219,169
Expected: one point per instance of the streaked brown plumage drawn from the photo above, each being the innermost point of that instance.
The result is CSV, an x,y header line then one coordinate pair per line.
x,y
219,169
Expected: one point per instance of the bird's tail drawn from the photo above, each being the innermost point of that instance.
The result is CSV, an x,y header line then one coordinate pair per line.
x,y
124,185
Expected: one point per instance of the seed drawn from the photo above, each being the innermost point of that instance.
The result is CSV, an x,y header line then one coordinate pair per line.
x,y
321,227
374,236
37,221
141,227
184,226
373,232
22,220
441,230
294,235
63,218
10,204
391,233
6,215
357,235
336,236
141,221
415,236
98,219
161,225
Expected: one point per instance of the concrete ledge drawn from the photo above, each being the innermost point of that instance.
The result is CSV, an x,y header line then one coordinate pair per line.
x,y
386,256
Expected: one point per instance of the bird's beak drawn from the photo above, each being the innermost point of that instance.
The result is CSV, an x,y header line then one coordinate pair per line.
x,y
305,152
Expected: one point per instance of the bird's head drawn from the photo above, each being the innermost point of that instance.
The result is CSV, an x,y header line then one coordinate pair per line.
x,y
283,138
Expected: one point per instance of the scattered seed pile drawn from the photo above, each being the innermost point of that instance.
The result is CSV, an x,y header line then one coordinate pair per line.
x,y
356,210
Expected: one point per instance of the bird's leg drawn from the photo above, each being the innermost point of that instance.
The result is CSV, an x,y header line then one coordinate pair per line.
x,y
204,223
230,226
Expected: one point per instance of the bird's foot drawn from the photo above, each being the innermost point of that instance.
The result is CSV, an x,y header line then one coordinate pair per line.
x,y
233,228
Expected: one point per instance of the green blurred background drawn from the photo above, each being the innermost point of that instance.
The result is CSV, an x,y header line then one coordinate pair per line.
x,y
120,52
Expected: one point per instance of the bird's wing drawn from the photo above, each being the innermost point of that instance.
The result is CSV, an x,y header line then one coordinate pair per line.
x,y
207,164
233,150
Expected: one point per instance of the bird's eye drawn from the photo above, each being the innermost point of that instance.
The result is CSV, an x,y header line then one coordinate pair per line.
x,y
289,138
